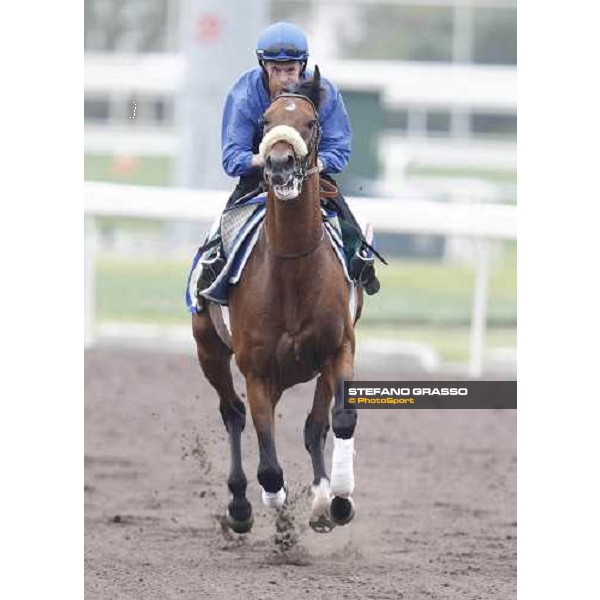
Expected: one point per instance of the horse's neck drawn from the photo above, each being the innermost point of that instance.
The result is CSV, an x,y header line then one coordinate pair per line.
x,y
295,227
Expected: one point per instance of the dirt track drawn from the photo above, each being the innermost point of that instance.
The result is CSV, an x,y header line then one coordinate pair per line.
x,y
435,496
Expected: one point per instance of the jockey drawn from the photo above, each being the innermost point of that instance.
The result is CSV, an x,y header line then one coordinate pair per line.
x,y
282,52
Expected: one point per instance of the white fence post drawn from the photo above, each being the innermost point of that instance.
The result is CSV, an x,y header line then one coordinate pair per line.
x,y
91,249
479,314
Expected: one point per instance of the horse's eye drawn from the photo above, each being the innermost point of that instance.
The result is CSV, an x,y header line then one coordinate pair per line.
x,y
311,124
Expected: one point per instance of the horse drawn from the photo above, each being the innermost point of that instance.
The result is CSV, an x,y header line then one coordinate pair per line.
x,y
290,322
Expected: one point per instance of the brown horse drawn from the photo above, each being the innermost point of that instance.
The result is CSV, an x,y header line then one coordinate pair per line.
x,y
290,321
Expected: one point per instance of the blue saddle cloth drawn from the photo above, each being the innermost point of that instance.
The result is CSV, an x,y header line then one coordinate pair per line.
x,y
240,227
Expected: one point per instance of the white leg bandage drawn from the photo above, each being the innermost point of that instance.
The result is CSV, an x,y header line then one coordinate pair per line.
x,y
342,467
274,499
321,498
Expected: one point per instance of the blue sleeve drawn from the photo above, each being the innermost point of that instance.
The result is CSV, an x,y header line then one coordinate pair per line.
x,y
336,135
237,133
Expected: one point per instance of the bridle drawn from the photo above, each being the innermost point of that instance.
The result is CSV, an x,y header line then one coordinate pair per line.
x,y
302,171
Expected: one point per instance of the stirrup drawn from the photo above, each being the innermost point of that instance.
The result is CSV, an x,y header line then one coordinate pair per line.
x,y
362,272
212,265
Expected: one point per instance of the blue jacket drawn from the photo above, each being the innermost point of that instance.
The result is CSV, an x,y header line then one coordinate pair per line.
x,y
241,128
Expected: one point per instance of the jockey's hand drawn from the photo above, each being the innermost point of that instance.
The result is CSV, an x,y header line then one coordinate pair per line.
x,y
258,161
320,164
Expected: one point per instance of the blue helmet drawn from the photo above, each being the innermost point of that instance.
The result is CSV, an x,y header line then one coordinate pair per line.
x,y
282,42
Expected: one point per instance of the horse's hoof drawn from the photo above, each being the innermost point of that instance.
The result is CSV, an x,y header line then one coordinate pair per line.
x,y
319,519
239,515
239,526
321,524
341,510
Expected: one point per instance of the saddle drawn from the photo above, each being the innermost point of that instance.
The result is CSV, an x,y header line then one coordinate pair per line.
x,y
241,225
219,263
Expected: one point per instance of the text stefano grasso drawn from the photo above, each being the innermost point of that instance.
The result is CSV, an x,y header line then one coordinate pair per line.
x,y
407,391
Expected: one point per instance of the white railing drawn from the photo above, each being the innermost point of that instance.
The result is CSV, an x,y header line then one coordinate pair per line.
x,y
487,88
480,222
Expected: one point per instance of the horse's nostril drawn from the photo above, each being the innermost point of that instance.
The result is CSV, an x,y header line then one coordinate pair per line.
x,y
279,163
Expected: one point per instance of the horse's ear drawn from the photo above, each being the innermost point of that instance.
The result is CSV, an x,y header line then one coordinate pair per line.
x,y
317,77
316,92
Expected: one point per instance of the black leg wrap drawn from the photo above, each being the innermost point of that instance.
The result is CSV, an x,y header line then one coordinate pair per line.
x,y
270,478
344,422
270,474
344,419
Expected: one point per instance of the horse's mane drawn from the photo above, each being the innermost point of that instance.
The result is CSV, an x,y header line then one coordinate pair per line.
x,y
309,88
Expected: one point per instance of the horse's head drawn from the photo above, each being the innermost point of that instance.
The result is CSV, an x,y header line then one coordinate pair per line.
x,y
291,138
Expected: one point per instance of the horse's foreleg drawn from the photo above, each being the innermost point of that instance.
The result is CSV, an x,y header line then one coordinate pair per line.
x,y
270,474
215,360
343,422
315,434
317,426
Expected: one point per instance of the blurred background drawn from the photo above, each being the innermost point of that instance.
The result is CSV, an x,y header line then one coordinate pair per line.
x,y
430,87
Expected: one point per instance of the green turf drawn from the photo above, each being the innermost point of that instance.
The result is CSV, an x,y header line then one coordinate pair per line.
x,y
420,301
416,291
452,343
141,291
411,292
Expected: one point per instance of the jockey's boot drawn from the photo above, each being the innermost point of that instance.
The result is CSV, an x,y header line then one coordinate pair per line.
x,y
360,268
362,271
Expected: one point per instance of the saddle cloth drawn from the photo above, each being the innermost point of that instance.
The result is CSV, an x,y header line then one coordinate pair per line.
x,y
240,228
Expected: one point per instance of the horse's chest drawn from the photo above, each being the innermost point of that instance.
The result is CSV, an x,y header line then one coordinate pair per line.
x,y
299,356
286,326
292,356
310,344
